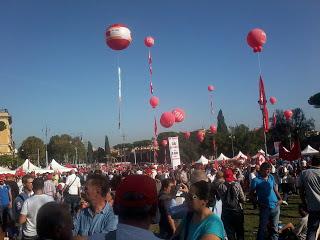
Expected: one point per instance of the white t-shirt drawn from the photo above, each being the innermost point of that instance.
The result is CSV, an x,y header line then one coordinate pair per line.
x,y
30,208
74,182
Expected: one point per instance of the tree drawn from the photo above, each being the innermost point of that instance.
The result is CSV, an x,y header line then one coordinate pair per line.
x,y
298,126
30,147
107,146
99,154
66,149
222,127
315,100
90,152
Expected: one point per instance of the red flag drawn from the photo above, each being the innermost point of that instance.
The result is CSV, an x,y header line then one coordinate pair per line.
x,y
294,154
263,105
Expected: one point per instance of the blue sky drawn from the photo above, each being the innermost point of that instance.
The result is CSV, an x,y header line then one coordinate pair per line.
x,y
56,69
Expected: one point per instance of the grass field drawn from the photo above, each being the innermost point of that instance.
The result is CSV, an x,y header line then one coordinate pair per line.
x,y
251,218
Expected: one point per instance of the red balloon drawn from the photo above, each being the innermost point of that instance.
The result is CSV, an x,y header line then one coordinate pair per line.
x,y
179,114
213,128
118,36
164,142
210,88
256,39
154,101
187,135
288,114
200,135
149,41
167,119
273,100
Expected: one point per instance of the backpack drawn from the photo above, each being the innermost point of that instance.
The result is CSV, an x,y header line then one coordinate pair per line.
x,y
231,201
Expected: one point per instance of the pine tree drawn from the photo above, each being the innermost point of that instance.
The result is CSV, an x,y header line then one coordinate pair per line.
x,y
222,127
90,152
106,146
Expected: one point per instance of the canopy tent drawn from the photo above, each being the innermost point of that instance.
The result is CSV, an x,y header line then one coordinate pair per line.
x,y
309,151
4,170
55,166
240,155
27,167
222,157
202,160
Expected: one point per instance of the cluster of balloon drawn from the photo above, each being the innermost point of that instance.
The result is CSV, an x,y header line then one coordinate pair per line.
x,y
187,135
167,119
288,114
118,37
213,128
154,101
256,38
201,135
273,100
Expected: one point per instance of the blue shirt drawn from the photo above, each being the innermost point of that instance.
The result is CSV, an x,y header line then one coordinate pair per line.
x,y
265,190
88,223
210,225
4,195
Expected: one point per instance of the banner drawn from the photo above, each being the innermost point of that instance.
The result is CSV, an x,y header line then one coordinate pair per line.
x,y
174,151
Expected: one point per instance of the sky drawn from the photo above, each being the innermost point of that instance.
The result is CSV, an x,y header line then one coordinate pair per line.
x,y
57,71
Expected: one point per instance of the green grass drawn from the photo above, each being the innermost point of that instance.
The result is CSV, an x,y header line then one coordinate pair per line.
x,y
287,214
251,217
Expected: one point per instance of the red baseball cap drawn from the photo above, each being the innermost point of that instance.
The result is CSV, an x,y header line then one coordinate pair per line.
x,y
228,175
141,185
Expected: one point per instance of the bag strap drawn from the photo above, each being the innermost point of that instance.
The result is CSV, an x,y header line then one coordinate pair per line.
x,y
68,186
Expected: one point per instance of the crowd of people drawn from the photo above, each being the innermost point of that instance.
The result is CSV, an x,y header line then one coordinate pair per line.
x,y
188,203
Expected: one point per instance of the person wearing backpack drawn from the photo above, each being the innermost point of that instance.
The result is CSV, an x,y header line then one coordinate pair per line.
x,y
232,197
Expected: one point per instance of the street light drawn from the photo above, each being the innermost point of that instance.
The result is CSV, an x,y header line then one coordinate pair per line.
x,y
232,137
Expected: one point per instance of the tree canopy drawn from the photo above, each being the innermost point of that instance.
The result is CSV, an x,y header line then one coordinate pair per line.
x,y
315,100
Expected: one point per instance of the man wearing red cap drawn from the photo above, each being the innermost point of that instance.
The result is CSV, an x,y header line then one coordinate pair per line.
x,y
232,196
136,205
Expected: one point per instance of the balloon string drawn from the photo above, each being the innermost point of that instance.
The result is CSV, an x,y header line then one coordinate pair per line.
x,y
150,71
260,71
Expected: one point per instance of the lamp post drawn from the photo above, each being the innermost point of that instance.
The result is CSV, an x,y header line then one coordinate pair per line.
x,y
232,137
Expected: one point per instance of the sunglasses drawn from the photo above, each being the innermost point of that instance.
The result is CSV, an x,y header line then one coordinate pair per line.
x,y
192,196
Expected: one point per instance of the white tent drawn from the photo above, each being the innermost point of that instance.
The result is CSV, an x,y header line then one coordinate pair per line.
x,y
55,166
27,167
309,151
240,155
202,160
222,157
4,170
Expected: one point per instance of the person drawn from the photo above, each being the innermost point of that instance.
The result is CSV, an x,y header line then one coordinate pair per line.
x,y
300,231
54,222
72,191
166,224
200,222
232,197
217,203
5,204
269,201
310,195
49,187
99,216
136,205
30,208
21,198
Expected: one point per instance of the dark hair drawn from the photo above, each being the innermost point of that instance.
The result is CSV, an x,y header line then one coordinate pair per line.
x,y
38,184
50,217
166,182
265,165
25,178
100,181
202,190
316,160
